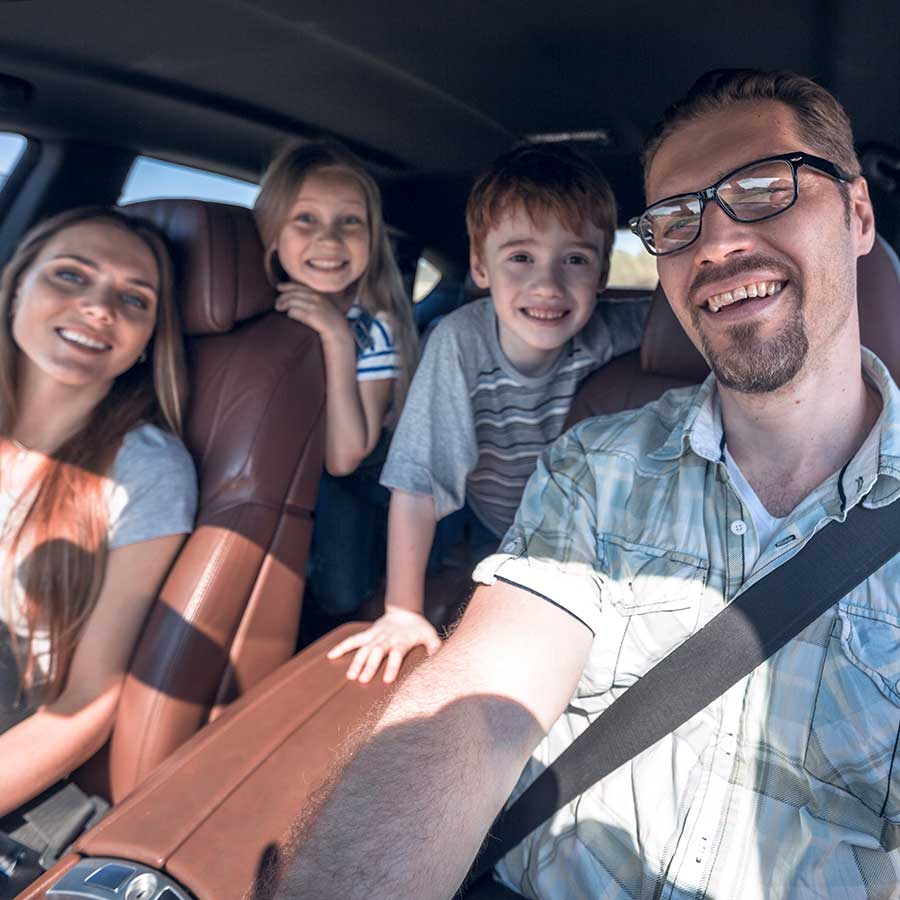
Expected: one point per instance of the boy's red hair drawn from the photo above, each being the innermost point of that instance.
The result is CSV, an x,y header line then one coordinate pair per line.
x,y
544,180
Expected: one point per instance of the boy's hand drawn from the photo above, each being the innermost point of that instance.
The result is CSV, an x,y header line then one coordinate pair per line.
x,y
312,309
391,636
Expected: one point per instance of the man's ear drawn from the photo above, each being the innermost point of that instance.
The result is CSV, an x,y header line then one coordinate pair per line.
x,y
479,271
862,217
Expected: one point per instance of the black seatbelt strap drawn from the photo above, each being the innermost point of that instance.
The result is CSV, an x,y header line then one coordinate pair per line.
x,y
743,635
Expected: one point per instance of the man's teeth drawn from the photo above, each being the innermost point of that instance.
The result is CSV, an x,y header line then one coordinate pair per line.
x,y
755,289
545,313
82,339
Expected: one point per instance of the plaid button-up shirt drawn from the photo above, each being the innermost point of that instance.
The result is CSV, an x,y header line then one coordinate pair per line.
x,y
788,785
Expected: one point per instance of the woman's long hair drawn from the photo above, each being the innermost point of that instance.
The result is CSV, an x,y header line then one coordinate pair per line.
x,y
61,522
380,287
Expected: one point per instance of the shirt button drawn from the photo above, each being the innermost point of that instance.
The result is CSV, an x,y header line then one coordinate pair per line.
x,y
738,527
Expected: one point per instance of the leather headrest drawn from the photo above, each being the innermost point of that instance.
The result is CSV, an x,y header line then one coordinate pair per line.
x,y
666,350
878,280
218,259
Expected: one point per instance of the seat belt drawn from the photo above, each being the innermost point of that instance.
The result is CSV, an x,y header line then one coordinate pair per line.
x,y
752,627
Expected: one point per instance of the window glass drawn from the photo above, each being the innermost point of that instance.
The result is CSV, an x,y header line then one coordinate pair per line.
x,y
152,179
428,277
12,146
631,266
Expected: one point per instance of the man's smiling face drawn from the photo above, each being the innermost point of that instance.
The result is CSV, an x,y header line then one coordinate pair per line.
x,y
800,265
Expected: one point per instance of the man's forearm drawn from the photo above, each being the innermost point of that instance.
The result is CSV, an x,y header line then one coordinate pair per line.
x,y
412,808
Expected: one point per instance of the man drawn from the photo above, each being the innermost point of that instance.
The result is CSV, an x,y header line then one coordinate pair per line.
x,y
637,529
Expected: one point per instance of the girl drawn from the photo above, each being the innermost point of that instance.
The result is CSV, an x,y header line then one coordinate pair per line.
x,y
328,254
96,490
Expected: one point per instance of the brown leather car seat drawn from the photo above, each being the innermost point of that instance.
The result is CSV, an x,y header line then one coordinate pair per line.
x,y
229,611
667,358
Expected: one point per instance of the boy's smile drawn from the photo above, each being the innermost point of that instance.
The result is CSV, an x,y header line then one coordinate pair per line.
x,y
543,280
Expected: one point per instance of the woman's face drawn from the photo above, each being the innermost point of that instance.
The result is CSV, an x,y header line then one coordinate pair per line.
x,y
325,242
86,308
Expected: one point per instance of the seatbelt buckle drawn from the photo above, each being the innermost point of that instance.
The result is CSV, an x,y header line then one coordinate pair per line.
x,y
18,866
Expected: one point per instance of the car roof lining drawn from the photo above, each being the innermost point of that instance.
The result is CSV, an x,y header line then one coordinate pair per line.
x,y
220,83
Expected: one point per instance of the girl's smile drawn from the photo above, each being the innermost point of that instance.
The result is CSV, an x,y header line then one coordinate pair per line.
x,y
325,242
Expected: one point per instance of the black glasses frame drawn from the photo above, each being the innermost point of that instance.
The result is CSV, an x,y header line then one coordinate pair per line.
x,y
795,160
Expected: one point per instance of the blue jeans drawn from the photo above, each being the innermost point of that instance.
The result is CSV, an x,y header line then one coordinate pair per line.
x,y
349,542
459,526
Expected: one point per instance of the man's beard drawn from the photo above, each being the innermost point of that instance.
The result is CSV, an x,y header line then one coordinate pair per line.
x,y
757,366
751,364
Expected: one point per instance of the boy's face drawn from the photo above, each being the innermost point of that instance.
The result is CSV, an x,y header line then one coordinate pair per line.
x,y
544,281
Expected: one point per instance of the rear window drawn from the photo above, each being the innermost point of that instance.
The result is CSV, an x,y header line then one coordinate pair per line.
x,y
12,146
154,179
631,266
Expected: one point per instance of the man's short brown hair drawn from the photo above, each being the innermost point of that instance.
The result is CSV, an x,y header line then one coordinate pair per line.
x,y
821,120
544,180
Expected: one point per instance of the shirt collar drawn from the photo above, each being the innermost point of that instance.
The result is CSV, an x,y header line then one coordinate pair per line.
x,y
874,471
699,429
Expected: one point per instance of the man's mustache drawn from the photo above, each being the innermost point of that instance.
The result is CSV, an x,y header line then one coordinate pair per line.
x,y
785,271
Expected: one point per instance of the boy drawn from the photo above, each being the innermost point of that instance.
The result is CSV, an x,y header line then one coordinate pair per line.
x,y
498,375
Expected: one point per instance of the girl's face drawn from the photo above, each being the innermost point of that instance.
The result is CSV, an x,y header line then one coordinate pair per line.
x,y
325,242
86,308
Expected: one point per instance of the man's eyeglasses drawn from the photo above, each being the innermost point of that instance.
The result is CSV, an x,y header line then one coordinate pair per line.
x,y
752,193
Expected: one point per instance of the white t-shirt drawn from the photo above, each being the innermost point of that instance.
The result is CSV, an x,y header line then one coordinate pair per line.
x,y
767,526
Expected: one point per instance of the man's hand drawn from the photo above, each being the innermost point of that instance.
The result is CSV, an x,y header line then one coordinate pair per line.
x,y
393,635
314,310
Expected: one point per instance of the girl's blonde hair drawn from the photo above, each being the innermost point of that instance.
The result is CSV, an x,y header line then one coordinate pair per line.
x,y
380,288
62,524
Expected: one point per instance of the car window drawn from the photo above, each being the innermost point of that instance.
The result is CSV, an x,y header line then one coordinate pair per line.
x,y
631,266
428,277
152,179
12,146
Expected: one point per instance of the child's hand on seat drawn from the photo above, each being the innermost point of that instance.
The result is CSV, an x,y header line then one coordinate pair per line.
x,y
313,309
392,636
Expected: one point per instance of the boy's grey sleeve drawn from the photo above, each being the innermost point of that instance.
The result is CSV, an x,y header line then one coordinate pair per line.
x,y
434,446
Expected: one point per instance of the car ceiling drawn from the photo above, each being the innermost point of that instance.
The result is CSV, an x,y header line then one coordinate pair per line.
x,y
427,92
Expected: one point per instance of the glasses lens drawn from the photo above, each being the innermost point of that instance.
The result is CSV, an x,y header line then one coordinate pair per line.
x,y
759,191
671,224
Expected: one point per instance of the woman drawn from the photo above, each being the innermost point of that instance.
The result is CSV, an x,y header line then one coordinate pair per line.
x,y
97,492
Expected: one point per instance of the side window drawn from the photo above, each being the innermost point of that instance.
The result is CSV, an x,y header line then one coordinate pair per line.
x,y
631,266
428,277
153,179
12,146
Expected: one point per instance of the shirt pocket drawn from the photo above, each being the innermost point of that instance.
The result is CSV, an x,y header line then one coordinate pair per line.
x,y
855,724
654,596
